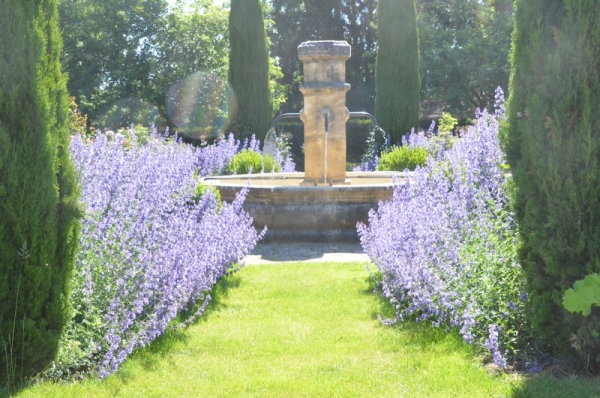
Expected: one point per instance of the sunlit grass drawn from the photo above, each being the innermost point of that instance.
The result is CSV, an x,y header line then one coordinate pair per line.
x,y
299,330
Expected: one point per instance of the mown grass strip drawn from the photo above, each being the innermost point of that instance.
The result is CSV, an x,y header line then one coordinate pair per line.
x,y
297,330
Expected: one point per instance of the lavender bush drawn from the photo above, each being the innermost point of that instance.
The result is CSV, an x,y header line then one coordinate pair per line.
x,y
148,251
211,159
214,159
283,156
445,244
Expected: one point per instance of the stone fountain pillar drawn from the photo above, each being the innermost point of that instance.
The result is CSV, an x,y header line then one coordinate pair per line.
x,y
324,114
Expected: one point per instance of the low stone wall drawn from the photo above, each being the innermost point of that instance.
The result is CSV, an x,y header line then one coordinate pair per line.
x,y
294,213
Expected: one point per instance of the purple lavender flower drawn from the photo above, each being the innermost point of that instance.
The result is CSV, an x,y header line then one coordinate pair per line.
x,y
523,296
148,251
492,344
445,244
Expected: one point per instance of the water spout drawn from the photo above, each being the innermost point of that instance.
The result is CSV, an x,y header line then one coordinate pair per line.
x,y
270,149
326,113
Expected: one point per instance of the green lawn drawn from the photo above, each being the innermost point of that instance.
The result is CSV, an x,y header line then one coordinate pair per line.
x,y
300,330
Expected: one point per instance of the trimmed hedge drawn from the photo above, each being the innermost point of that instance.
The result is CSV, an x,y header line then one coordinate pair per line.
x,y
249,161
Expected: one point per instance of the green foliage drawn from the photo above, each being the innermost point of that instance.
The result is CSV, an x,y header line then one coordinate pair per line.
x,y
465,46
190,76
552,146
39,231
583,295
133,61
78,121
496,282
203,189
447,123
400,158
248,161
251,104
103,55
444,139
278,89
397,71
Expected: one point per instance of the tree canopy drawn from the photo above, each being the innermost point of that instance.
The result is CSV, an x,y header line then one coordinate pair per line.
x,y
251,107
465,48
128,60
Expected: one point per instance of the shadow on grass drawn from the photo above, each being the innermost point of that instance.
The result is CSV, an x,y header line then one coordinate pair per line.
x,y
419,334
423,335
160,349
161,346
548,385
220,292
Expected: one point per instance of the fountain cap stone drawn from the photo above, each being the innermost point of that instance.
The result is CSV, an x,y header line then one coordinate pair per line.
x,y
332,49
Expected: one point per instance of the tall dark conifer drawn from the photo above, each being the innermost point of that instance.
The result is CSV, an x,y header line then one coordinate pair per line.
x,y
398,83
251,108
38,192
552,140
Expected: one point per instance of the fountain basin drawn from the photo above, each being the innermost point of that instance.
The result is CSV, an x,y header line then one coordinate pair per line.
x,y
295,213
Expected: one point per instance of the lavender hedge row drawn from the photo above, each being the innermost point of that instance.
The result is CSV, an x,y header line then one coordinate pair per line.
x,y
211,159
149,251
446,244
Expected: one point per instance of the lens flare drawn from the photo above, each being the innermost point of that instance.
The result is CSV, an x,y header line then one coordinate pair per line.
x,y
198,104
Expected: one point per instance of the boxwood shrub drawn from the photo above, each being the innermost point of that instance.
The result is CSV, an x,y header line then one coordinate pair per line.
x,y
400,158
248,161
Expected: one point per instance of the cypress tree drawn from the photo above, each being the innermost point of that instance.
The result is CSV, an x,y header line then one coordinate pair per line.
x,y
251,108
552,141
398,83
38,191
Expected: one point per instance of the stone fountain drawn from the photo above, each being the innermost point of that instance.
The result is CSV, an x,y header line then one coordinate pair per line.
x,y
324,114
325,202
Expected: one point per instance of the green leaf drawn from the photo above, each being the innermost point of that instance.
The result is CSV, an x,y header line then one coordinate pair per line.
x,y
584,294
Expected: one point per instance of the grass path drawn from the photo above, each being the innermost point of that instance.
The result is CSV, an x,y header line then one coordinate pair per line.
x,y
299,330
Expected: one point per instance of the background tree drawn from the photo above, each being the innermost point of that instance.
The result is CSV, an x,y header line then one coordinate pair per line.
x,y
552,142
38,193
251,108
136,61
397,72
109,52
189,80
464,54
